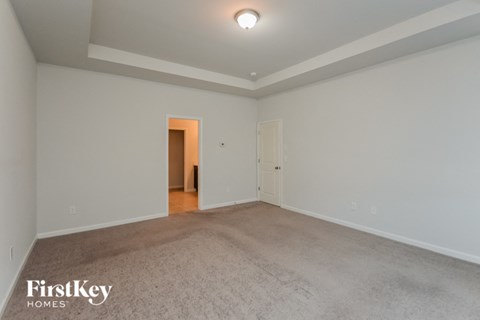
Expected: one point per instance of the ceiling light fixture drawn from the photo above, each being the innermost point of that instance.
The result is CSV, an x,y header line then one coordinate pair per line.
x,y
247,18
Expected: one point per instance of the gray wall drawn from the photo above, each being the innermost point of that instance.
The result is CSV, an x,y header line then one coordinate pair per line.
x,y
17,148
102,146
403,137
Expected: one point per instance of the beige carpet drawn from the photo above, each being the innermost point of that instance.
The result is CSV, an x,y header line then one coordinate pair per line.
x,y
253,261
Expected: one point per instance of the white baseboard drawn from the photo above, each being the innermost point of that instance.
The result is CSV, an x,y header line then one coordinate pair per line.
x,y
191,190
175,187
226,204
416,243
98,226
56,233
13,284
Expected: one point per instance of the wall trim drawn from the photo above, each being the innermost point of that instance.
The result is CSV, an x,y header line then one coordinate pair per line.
x,y
50,234
416,243
62,232
227,204
175,187
13,284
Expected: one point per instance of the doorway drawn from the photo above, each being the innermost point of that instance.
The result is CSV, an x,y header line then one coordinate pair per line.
x,y
269,164
183,165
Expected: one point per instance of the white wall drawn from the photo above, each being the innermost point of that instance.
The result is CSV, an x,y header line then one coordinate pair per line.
x,y
403,136
17,148
191,149
101,146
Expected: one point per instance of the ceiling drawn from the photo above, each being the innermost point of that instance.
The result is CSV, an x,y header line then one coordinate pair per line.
x,y
197,43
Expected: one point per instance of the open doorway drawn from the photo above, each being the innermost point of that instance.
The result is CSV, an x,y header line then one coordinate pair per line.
x,y
183,165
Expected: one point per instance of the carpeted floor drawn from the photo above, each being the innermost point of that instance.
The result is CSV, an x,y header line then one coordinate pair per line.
x,y
252,261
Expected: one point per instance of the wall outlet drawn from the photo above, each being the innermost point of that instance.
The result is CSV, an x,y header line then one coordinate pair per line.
x,y
72,210
11,253
373,210
354,206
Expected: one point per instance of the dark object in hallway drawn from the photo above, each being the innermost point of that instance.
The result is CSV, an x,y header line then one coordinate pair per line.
x,y
195,177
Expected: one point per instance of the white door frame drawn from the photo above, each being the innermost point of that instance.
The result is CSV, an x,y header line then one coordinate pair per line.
x,y
200,157
280,151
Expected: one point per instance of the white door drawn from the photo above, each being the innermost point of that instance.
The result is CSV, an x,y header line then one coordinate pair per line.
x,y
269,178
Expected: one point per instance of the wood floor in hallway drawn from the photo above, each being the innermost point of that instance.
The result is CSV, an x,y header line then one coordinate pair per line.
x,y
180,201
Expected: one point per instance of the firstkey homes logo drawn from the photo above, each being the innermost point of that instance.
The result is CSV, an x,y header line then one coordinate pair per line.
x,y
96,294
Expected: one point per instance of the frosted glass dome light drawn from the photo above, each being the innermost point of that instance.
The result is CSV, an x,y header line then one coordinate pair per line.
x,y
247,18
